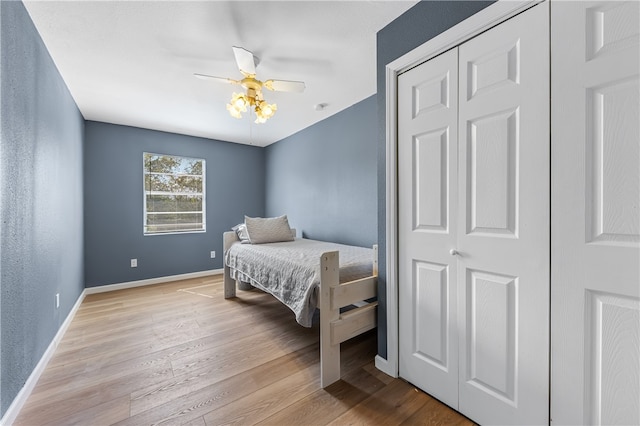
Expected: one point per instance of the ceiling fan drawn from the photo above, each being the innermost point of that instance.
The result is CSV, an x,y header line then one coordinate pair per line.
x,y
247,63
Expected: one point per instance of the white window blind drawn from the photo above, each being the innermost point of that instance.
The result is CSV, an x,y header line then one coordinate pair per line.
x,y
174,194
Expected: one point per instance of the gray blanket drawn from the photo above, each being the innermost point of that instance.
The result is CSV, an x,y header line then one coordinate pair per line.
x,y
291,270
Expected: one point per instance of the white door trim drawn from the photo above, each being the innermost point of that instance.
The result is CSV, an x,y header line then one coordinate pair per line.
x,y
489,17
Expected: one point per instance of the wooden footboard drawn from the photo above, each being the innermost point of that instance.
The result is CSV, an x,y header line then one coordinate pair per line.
x,y
336,328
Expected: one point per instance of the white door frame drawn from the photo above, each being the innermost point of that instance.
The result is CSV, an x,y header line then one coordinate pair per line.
x,y
488,17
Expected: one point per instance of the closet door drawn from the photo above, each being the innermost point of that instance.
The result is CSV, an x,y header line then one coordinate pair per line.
x,y
427,221
504,222
596,213
474,214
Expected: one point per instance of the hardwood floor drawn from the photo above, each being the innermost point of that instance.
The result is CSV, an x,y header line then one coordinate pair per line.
x,y
178,353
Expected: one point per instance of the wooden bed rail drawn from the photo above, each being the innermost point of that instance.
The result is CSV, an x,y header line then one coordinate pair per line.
x,y
354,322
335,327
354,291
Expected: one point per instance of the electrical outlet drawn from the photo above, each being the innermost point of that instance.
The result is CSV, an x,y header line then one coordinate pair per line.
x,y
213,254
134,263
57,300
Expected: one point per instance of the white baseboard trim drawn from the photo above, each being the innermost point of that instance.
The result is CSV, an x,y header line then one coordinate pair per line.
x,y
151,281
385,366
14,409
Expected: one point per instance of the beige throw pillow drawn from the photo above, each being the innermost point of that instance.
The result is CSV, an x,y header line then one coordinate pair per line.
x,y
268,229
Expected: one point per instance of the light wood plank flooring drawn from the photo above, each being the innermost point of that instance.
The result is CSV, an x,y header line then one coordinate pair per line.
x,y
178,353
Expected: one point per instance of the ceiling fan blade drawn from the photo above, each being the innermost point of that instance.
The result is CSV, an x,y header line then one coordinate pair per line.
x,y
284,85
219,79
245,60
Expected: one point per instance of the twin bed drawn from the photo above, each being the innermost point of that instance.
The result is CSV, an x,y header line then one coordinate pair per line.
x,y
305,275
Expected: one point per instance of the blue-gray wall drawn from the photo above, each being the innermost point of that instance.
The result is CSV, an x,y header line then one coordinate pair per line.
x,y
417,25
113,210
324,177
40,200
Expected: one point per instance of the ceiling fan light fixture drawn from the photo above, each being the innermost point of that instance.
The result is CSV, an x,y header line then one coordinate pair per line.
x,y
264,111
240,102
234,112
267,110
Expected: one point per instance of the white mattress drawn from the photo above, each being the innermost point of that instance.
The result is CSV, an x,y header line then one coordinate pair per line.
x,y
290,271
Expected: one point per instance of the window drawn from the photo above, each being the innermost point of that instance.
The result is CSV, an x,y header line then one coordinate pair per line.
x,y
174,189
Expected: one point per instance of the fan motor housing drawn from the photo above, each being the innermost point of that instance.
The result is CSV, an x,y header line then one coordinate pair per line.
x,y
251,83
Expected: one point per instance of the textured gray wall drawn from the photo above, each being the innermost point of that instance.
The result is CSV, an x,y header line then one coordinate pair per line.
x,y
41,200
324,177
417,25
113,202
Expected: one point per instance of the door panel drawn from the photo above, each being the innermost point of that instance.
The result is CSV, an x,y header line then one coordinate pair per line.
x,y
430,154
491,173
596,213
504,201
613,161
491,324
430,296
612,360
427,175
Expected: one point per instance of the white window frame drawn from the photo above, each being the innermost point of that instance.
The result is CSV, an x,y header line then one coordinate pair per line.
x,y
145,193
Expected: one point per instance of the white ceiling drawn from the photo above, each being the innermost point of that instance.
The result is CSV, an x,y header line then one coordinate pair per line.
x,y
132,62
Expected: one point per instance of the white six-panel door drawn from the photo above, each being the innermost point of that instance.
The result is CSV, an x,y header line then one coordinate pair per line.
x,y
504,222
427,220
474,223
595,373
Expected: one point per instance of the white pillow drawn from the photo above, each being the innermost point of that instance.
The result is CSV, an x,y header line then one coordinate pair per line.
x,y
241,232
268,229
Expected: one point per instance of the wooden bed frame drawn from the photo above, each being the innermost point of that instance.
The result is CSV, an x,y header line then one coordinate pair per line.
x,y
335,327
